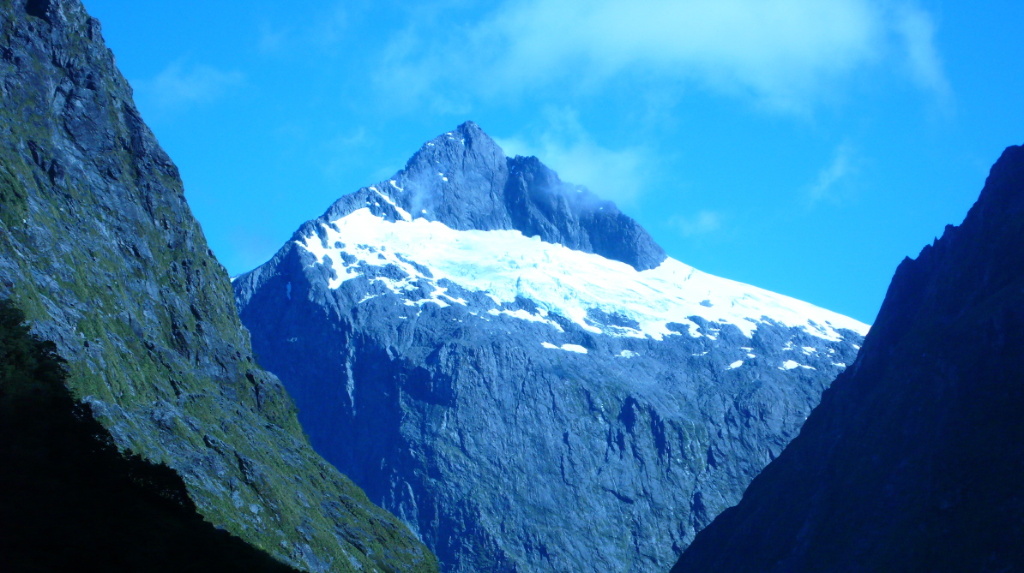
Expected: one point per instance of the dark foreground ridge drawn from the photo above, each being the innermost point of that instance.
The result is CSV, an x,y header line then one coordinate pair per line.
x,y
68,497
100,250
913,460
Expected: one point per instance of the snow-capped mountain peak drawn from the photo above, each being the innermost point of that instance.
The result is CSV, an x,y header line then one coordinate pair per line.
x,y
464,180
481,345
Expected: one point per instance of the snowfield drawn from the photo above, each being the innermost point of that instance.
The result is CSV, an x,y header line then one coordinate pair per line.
x,y
505,264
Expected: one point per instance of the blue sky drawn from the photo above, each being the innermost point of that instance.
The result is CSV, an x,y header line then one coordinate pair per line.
x,y
803,146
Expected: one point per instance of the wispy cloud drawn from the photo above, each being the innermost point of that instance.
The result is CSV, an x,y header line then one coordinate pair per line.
x,y
917,30
565,146
784,53
700,223
180,84
331,27
831,177
271,38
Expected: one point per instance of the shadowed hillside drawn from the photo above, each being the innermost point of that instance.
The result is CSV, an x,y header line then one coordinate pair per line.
x,y
913,460
68,497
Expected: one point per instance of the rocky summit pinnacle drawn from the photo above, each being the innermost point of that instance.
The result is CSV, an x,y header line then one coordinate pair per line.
x,y
513,367
463,179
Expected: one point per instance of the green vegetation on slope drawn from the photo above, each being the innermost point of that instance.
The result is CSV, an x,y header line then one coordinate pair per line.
x,y
99,248
67,496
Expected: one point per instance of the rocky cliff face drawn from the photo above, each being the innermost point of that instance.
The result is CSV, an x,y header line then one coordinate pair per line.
x,y
516,369
98,246
912,462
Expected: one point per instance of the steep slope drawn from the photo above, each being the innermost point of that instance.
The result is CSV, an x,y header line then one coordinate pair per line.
x,y
913,460
515,368
68,497
98,246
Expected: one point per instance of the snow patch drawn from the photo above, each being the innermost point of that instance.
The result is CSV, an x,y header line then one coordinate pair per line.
x,y
523,315
735,365
568,347
401,212
791,364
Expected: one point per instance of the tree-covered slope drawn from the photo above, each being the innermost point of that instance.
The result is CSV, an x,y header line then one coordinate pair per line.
x,y
98,246
913,460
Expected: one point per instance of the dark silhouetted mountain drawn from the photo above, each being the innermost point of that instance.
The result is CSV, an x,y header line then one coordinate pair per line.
x,y
515,368
913,460
99,248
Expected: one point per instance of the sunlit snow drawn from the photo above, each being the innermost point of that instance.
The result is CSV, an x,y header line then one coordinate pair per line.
x,y
401,212
524,315
791,364
505,264
569,347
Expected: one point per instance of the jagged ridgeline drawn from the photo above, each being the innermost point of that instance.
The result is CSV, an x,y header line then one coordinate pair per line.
x,y
514,366
99,248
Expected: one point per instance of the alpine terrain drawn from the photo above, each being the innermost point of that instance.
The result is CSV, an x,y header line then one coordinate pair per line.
x,y
516,369
100,251
913,460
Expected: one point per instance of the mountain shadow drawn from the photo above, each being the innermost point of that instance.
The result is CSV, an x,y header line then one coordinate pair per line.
x,y
68,497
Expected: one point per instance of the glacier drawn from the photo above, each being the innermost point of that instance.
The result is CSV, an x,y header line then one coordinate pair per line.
x,y
508,265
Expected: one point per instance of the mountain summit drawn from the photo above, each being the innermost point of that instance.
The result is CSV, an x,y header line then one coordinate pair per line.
x,y
517,370
463,180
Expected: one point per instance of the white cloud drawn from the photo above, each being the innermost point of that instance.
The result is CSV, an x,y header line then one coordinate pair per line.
x,y
918,33
773,47
614,174
701,223
179,84
785,53
830,177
